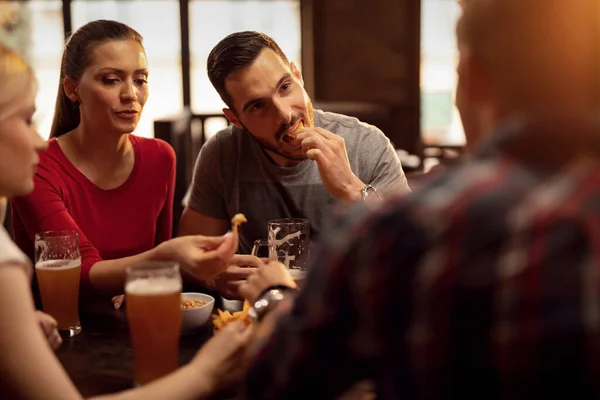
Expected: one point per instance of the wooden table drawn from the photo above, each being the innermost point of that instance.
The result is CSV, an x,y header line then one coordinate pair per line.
x,y
100,359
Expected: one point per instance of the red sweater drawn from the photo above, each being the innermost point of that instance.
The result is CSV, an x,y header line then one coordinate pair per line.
x,y
116,223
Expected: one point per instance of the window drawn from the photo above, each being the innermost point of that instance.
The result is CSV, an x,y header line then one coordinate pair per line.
x,y
212,20
40,38
158,22
440,120
41,42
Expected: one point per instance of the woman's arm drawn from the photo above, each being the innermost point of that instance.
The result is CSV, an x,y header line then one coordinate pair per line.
x,y
45,210
164,223
218,364
28,367
184,384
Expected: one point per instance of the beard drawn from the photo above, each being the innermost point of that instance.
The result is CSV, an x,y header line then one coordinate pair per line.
x,y
277,145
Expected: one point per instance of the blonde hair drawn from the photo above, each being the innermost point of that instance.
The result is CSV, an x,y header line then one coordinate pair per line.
x,y
16,78
535,50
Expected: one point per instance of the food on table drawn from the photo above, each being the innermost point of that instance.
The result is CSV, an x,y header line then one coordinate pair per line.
x,y
191,303
223,318
236,221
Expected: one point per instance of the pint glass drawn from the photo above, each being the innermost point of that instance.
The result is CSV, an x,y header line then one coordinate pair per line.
x,y
289,243
153,304
58,268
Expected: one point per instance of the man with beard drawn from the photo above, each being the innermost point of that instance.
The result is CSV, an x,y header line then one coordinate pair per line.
x,y
281,158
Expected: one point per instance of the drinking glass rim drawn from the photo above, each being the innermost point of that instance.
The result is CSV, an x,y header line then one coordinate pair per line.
x,y
288,221
150,266
59,233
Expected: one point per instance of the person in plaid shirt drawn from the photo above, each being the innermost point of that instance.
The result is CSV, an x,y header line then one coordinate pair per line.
x,y
485,281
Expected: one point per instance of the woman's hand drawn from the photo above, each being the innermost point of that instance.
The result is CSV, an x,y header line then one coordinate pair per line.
x,y
202,256
49,327
118,301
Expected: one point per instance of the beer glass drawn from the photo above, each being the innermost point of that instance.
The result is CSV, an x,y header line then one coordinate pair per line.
x,y
58,270
289,243
153,304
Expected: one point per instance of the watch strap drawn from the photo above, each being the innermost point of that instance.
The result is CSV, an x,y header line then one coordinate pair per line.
x,y
267,300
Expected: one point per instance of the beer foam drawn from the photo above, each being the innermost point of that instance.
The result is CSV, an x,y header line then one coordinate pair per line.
x,y
153,286
297,273
58,264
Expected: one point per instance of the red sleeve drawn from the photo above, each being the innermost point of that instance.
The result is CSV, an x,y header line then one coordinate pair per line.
x,y
45,210
164,223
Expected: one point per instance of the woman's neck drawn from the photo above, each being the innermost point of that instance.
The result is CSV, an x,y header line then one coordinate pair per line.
x,y
99,147
106,159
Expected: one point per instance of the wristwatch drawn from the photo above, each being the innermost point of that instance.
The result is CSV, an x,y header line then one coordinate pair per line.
x,y
266,301
369,193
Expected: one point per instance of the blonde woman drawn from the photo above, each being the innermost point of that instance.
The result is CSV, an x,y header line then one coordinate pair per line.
x,y
28,368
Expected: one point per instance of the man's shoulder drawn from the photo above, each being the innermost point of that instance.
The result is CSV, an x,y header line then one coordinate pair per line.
x,y
225,139
343,124
222,147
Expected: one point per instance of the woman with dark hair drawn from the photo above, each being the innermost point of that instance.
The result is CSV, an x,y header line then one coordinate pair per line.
x,y
96,178
28,368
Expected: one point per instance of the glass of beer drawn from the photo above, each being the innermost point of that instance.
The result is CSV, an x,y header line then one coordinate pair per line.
x,y
153,304
58,268
289,243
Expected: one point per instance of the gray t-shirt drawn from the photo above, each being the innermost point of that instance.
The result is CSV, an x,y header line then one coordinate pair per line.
x,y
233,174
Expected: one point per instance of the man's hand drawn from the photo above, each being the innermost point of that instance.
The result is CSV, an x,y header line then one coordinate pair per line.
x,y
271,274
329,151
240,268
49,327
202,256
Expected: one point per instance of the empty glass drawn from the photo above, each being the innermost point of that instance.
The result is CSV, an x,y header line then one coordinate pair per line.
x,y
289,243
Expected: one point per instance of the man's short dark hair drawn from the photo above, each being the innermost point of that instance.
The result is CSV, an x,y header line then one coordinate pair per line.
x,y
237,50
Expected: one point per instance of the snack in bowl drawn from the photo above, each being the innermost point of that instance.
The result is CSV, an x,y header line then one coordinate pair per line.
x,y
186,304
223,318
196,309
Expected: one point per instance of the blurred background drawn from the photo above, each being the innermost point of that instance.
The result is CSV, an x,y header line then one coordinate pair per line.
x,y
389,62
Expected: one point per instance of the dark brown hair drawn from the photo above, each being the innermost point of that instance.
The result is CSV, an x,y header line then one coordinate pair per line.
x,y
237,50
76,57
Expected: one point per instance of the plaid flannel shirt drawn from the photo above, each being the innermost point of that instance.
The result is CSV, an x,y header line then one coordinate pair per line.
x,y
482,283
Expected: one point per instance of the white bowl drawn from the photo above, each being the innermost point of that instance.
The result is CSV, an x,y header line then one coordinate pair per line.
x,y
193,319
